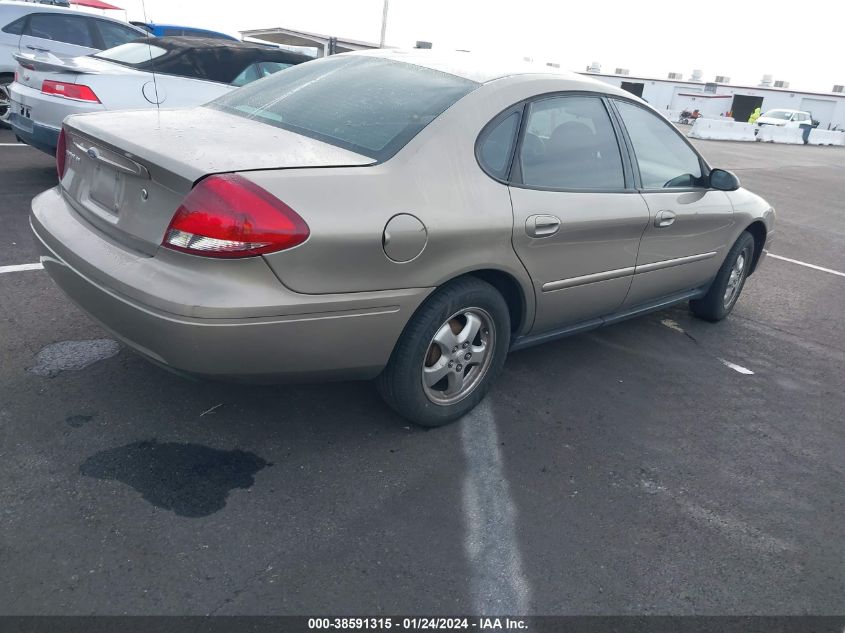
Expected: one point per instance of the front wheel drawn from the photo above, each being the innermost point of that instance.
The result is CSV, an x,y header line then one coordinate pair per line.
x,y
449,353
729,282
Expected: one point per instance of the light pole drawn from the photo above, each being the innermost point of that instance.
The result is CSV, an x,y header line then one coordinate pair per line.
x,y
383,23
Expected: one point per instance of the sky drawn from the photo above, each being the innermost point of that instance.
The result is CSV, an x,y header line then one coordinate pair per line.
x,y
797,42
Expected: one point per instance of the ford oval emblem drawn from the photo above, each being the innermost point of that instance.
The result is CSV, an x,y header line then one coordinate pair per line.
x,y
92,153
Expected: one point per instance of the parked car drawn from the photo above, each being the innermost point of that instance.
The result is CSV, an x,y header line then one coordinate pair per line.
x,y
390,215
31,27
169,71
166,30
786,118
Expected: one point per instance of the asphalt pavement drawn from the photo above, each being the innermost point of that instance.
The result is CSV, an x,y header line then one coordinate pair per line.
x,y
638,469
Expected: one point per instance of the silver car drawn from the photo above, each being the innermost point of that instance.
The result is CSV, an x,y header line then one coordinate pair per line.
x,y
399,216
27,27
164,71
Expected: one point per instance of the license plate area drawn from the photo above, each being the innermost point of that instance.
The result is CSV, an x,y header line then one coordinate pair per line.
x,y
107,186
23,115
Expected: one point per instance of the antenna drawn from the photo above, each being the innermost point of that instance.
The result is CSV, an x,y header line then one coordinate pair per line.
x,y
152,59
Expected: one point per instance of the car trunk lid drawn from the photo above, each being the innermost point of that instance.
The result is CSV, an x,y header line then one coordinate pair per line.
x,y
127,172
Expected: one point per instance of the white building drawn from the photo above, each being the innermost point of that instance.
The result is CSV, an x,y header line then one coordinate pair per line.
x,y
720,99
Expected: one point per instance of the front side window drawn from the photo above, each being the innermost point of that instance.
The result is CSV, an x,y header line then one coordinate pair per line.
x,y
569,143
115,34
69,29
664,159
369,105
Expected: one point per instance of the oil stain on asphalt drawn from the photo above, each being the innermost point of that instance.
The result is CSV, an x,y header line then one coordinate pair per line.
x,y
72,356
189,479
78,421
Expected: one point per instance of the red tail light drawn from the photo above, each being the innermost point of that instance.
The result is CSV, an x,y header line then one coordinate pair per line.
x,y
61,155
229,216
77,92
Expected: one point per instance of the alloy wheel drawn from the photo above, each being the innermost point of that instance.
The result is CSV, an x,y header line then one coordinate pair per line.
x,y
458,356
5,104
735,280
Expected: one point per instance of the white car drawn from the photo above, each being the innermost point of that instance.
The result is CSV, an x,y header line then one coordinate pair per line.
x,y
785,118
171,72
27,27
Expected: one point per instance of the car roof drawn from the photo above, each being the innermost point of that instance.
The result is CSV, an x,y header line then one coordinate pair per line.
x,y
158,25
24,8
20,9
206,58
479,67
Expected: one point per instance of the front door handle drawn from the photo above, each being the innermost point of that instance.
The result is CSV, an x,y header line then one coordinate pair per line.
x,y
664,219
542,225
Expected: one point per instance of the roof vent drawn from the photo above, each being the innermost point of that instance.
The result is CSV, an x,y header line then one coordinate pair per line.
x,y
421,44
553,64
766,81
721,79
676,76
696,75
839,89
781,84
595,67
622,71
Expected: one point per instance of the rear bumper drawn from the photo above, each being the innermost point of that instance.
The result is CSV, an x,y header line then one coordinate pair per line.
x,y
294,337
41,128
38,136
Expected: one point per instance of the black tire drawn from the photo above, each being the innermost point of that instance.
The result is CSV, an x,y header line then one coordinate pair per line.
x,y
401,383
716,305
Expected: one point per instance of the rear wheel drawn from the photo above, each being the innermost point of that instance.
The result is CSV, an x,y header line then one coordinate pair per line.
x,y
729,282
449,354
5,100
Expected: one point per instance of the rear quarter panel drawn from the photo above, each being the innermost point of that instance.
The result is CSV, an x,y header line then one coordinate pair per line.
x,y
436,178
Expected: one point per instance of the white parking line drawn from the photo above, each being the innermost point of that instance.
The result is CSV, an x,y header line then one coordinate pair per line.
x,y
813,266
737,368
673,325
20,268
497,579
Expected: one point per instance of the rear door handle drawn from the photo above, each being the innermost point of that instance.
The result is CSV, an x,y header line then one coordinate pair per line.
x,y
663,219
542,225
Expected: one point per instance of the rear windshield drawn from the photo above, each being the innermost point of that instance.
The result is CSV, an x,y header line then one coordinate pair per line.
x,y
369,105
779,114
132,54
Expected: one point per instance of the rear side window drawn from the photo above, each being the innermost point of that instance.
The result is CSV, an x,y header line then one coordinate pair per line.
x,y
69,29
569,143
496,146
369,105
16,27
115,34
258,70
664,159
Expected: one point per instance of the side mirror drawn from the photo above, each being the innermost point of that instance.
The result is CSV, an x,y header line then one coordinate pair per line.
x,y
724,180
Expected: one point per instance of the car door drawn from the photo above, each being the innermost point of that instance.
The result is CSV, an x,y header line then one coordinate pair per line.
x,y
689,225
58,33
577,217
